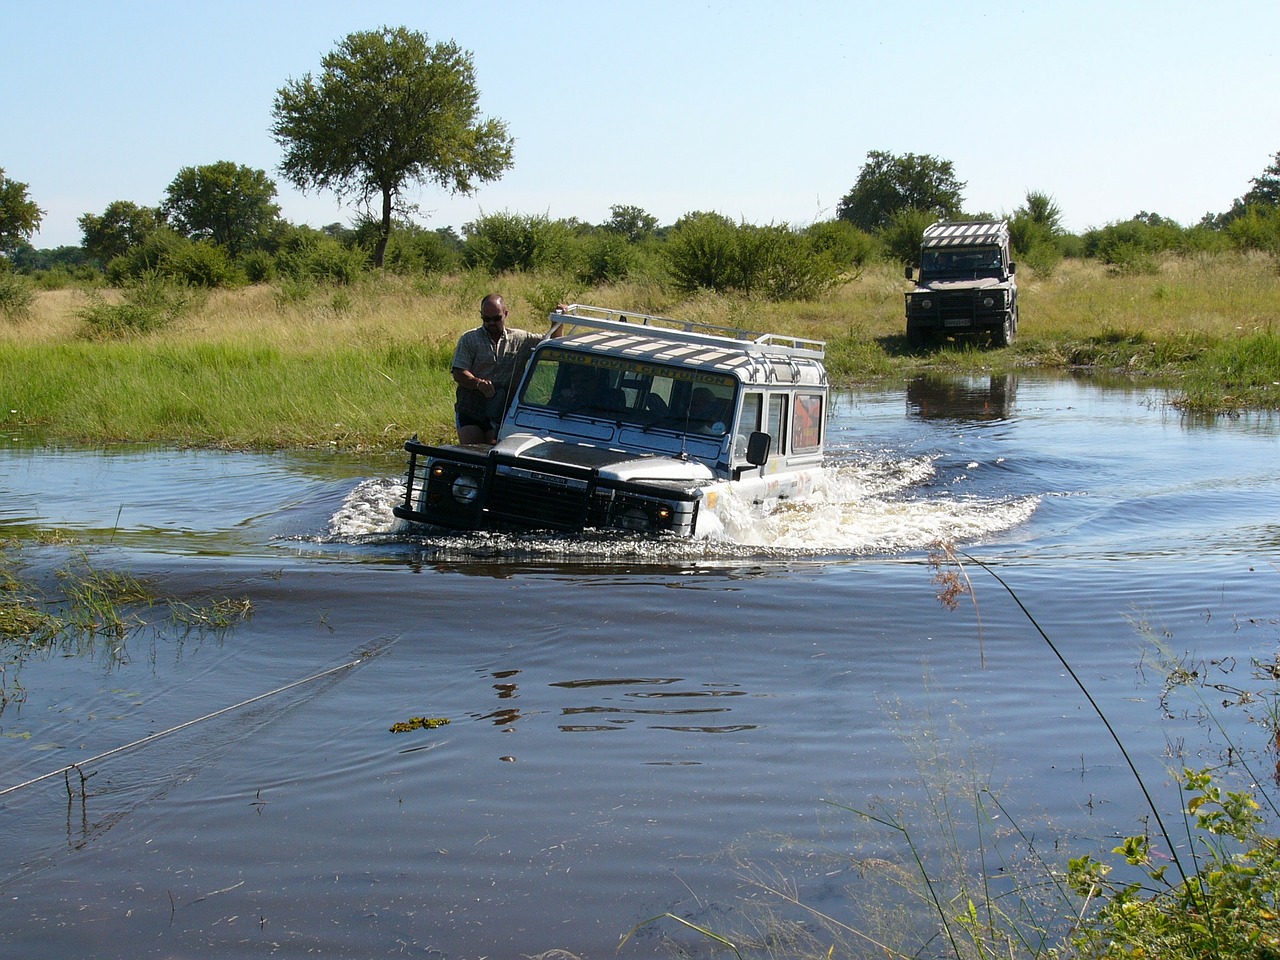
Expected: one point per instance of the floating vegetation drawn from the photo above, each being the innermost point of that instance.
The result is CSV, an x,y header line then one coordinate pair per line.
x,y
418,723
91,607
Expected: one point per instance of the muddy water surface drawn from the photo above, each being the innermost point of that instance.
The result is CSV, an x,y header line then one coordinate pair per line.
x,y
632,727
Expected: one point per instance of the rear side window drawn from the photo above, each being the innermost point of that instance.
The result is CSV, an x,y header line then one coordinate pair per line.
x,y
806,422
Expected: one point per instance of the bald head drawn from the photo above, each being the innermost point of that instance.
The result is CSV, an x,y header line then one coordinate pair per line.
x,y
493,313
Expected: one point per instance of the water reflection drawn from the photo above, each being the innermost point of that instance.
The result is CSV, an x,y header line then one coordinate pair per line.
x,y
951,397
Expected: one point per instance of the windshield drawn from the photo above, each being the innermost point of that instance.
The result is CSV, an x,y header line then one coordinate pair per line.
x,y
648,395
970,262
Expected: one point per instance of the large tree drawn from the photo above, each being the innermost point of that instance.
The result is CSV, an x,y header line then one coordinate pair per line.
x,y
231,205
19,216
1266,186
387,110
122,226
889,184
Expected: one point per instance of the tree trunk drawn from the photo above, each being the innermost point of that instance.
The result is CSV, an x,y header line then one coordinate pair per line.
x,y
384,234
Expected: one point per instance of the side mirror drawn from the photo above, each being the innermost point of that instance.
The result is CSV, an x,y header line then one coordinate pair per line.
x,y
1013,268
909,276
758,448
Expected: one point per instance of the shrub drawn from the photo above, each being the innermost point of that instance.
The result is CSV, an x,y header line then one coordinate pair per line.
x,y
315,256
199,263
149,303
701,253
707,251
841,242
902,236
1258,228
16,294
501,242
1227,908
607,257
258,266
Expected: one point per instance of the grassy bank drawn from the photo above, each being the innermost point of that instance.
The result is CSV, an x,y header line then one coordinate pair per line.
x,y
363,367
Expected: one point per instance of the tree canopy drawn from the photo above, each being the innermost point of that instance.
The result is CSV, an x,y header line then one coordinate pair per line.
x,y
388,109
122,226
19,216
231,205
889,184
1266,186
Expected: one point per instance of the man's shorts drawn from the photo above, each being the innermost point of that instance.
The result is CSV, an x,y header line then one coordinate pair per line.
x,y
462,419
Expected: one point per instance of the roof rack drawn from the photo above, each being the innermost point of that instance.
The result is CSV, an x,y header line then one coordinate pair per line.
x,y
686,331
959,233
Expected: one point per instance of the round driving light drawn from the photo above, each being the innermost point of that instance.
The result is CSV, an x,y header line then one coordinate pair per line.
x,y
988,302
926,304
465,489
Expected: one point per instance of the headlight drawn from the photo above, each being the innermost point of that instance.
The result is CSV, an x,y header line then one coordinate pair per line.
x,y
465,489
925,303
634,518
988,301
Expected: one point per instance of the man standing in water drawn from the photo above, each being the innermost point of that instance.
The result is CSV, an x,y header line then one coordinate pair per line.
x,y
487,362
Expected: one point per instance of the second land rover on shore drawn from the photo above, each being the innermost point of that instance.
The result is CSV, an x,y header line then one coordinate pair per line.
x,y
966,284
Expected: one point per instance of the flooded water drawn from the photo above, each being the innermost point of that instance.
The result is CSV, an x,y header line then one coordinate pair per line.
x,y
633,729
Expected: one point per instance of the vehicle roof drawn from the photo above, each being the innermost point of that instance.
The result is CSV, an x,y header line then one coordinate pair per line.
x,y
752,358
965,233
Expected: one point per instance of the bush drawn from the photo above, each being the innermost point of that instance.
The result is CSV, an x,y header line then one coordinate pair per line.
x,y
145,257
1226,908
258,266
701,253
16,294
902,236
310,255
709,252
843,243
199,263
501,242
607,257
1258,228
149,303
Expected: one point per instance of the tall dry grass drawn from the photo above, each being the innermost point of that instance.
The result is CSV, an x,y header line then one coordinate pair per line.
x,y
365,366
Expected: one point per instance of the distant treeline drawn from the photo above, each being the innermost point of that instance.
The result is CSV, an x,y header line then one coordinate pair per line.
x,y
701,250
219,226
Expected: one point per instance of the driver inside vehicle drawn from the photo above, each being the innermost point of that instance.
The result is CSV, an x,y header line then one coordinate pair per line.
x,y
579,387
707,410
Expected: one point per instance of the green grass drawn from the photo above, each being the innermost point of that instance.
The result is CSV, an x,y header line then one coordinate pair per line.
x,y
364,367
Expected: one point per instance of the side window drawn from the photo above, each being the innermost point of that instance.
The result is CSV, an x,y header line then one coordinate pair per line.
x,y
748,421
806,422
777,423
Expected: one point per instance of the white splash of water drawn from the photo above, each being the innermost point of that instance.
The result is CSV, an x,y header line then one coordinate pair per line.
x,y
367,509
862,508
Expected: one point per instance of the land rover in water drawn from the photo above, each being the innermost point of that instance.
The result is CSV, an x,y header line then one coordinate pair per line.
x,y
966,284
629,422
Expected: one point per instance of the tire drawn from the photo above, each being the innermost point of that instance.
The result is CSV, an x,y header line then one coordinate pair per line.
x,y
920,337
1002,336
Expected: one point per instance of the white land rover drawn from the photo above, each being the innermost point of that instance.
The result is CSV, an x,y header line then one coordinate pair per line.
x,y
630,422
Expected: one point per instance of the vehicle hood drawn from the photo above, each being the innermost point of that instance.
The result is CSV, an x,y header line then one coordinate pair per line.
x,y
941,286
607,462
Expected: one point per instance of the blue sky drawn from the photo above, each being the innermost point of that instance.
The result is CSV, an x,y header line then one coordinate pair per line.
x,y
764,112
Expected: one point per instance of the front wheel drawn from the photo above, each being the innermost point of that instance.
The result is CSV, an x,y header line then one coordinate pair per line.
x,y
920,337
1003,335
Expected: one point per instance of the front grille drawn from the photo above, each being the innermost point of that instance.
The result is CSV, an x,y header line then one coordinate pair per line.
x,y
538,499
